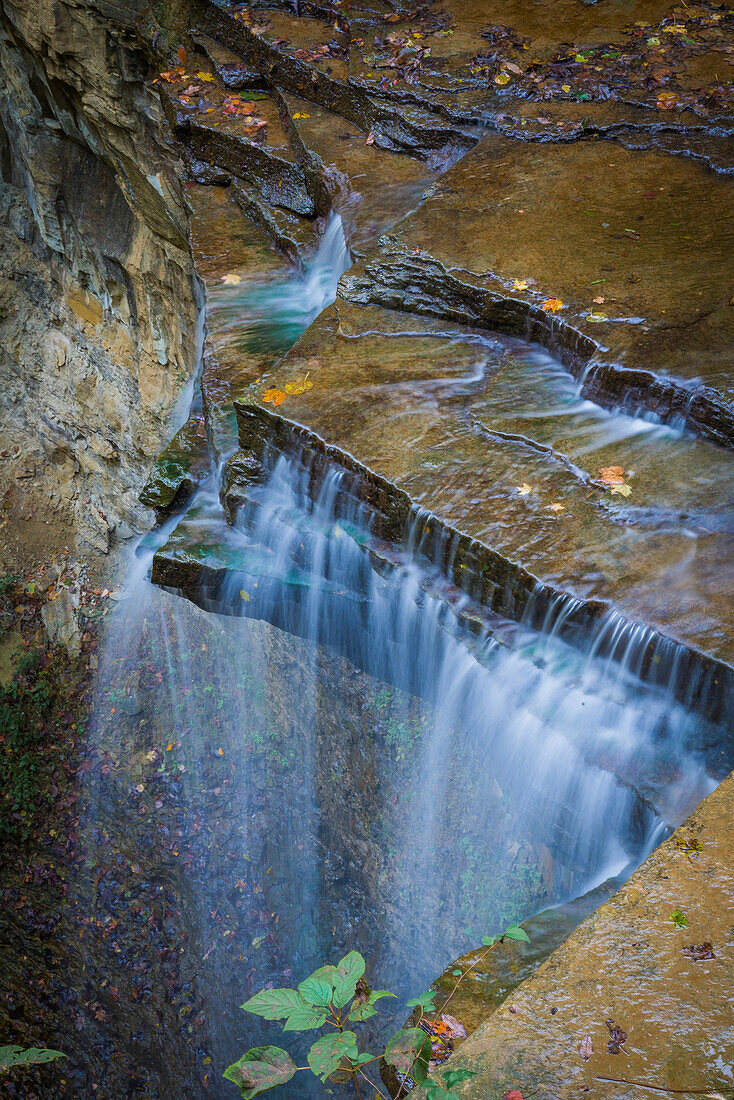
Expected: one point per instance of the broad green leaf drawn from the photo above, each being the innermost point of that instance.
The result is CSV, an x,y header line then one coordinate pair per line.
x,y
456,1076
351,966
435,1092
261,1069
18,1056
515,932
326,973
349,971
362,1059
490,941
316,991
326,1054
410,1052
274,1004
307,1018
365,1010
425,1001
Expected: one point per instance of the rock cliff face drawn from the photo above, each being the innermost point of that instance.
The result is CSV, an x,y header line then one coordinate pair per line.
x,y
99,302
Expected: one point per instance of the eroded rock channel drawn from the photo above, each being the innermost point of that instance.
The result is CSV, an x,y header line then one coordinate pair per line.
x,y
408,331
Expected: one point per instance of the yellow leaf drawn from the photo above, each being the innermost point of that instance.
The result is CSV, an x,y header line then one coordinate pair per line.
x,y
298,387
301,114
552,305
221,752
169,747
623,490
596,318
205,76
520,284
524,489
502,79
557,507
231,280
245,595
565,87
276,396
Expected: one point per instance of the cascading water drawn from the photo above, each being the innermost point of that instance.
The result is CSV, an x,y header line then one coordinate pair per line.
x,y
339,765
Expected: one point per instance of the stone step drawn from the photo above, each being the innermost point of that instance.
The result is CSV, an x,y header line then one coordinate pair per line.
x,y
490,436
179,468
295,236
309,58
232,72
251,146
650,235
371,188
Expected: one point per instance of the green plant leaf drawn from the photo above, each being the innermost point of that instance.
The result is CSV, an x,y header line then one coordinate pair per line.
x,y
456,1076
316,991
274,1004
515,932
307,1018
18,1056
435,1092
349,970
364,1010
326,1054
326,973
490,941
261,1069
425,1001
679,919
410,1052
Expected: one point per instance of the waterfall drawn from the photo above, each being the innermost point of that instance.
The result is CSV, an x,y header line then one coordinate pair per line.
x,y
339,764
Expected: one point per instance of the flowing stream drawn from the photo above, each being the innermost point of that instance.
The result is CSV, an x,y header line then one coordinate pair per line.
x,y
338,763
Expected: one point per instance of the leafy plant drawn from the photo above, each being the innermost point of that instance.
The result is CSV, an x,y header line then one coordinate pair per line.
x,y
336,997
11,1057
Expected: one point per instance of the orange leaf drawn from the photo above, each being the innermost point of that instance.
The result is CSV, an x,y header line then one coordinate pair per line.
x,y
277,397
552,305
612,475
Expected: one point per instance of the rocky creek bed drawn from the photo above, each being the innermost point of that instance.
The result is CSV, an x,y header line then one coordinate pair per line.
x,y
530,208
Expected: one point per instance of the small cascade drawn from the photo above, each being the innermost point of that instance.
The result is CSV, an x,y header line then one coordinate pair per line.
x,y
341,766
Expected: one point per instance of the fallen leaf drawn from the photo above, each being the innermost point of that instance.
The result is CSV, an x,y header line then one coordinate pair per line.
x,y
565,87
502,78
296,388
667,100
596,318
220,752
313,364
678,918
617,1037
552,305
458,1031
301,114
205,76
520,284
513,68
598,301
611,475
231,280
370,138
513,1094
586,1049
557,507
621,490
244,595
699,952
276,396
524,489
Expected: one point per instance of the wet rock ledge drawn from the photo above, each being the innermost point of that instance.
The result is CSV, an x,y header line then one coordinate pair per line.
x,y
665,985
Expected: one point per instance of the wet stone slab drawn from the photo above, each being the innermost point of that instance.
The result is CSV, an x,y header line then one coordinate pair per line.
x,y
666,987
490,435
537,234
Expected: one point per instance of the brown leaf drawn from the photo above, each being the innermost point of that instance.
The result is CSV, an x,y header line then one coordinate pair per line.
x,y
586,1048
617,1037
458,1031
699,952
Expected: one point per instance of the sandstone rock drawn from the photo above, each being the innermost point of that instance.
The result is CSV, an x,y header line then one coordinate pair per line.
x,y
61,624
